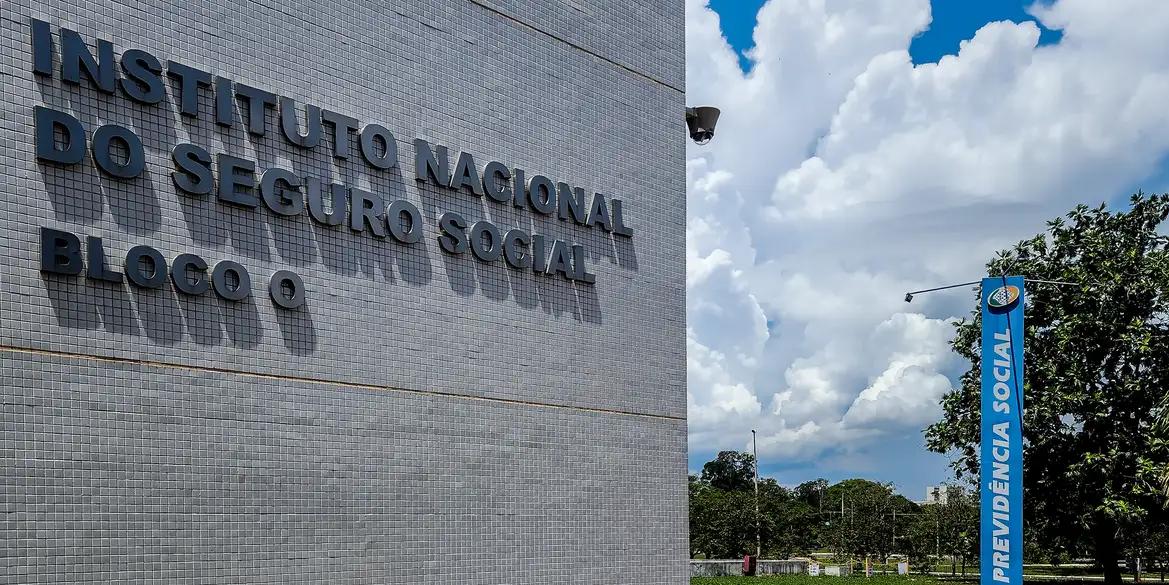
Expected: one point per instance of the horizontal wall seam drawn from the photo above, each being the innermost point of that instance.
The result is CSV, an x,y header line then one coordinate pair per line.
x,y
325,382
485,6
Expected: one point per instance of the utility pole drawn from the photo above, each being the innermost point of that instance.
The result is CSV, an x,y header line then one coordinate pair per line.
x,y
894,529
938,533
758,540
939,508
842,523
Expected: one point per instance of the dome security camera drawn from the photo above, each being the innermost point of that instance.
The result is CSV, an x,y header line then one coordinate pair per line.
x,y
701,121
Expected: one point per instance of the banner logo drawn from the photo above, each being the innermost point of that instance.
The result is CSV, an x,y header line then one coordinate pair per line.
x,y
1003,297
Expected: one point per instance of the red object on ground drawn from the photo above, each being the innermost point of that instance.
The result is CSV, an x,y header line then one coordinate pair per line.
x,y
749,565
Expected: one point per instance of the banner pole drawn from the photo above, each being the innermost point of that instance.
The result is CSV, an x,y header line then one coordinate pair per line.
x,y
1001,463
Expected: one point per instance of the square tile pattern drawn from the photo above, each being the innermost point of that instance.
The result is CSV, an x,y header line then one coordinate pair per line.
x,y
424,417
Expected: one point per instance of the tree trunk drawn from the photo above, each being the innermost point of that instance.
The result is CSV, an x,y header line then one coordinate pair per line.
x,y
1106,553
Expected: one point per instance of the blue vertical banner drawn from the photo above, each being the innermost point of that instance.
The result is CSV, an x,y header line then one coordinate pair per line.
x,y
1001,482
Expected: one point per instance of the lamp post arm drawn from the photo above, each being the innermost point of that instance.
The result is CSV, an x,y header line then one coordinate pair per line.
x,y
909,295
916,292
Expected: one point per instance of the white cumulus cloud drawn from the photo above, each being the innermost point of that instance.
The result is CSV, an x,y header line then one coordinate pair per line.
x,y
842,175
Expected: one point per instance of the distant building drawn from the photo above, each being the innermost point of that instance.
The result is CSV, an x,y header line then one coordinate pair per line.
x,y
936,494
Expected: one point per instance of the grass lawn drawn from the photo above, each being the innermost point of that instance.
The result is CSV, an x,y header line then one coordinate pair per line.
x,y
823,580
1149,578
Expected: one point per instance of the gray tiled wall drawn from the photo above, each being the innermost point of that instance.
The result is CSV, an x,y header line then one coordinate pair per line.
x,y
424,417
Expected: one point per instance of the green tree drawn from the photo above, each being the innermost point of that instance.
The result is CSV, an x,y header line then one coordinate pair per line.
x,y
730,471
806,517
812,492
864,518
722,523
799,530
959,526
920,542
1161,444
946,529
722,512
1097,365
775,504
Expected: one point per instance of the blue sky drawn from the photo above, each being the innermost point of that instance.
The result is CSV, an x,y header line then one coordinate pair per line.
x,y
843,174
953,22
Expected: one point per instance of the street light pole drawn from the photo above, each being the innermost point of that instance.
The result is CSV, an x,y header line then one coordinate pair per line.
x,y
755,453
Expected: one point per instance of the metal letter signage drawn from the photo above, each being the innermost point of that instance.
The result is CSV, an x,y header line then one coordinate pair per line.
x,y
60,139
1001,483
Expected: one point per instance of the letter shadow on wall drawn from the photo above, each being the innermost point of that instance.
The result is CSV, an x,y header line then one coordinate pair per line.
x,y
211,320
626,252
301,240
241,320
412,260
78,193
297,329
554,295
164,316
213,222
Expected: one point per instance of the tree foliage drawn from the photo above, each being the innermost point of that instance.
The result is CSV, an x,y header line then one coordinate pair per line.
x,y
793,522
1097,367
722,523
945,530
730,471
1161,445
864,520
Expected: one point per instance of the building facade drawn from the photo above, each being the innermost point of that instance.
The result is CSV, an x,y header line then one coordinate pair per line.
x,y
345,292
936,494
